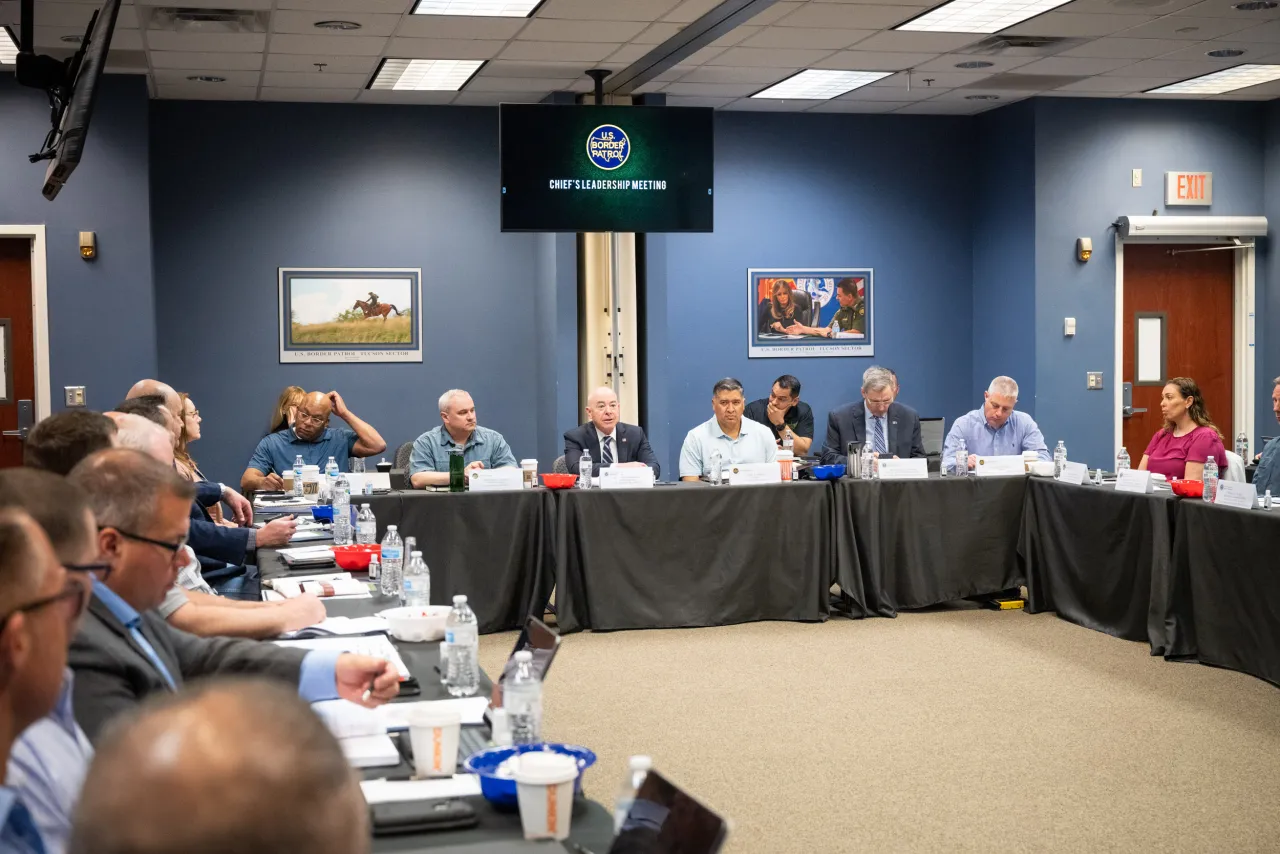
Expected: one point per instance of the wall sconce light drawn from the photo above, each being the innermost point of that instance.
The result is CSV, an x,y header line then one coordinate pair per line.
x,y
1084,248
88,245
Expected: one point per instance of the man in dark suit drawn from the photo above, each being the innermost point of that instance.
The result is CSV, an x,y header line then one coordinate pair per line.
x,y
889,427
125,651
607,440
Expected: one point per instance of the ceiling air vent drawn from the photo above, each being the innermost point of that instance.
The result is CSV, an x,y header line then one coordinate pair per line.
x,y
1022,45
181,20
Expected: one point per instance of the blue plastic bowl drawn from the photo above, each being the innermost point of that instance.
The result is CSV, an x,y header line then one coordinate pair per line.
x,y
322,513
501,791
828,472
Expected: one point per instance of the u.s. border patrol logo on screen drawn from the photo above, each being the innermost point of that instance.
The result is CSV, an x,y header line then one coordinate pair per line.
x,y
608,147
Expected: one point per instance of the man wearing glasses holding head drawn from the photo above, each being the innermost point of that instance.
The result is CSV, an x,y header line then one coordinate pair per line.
x,y
313,439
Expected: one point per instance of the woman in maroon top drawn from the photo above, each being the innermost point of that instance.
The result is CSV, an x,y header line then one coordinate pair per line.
x,y
1189,436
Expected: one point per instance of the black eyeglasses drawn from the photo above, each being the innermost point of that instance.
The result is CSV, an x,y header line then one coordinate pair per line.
x,y
172,548
104,568
74,598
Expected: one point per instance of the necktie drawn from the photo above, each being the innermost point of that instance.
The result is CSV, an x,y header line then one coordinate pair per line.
x,y
23,828
879,444
135,629
606,455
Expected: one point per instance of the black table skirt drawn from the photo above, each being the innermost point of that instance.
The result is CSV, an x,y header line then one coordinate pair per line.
x,y
915,543
1229,562
1101,559
692,555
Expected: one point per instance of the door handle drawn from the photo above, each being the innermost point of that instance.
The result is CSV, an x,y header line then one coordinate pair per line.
x,y
26,419
1129,411
21,433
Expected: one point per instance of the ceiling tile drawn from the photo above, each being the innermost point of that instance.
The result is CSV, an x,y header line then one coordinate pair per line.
x,y
772,105
1199,52
333,64
295,94
867,60
1264,33
367,6
1151,8
506,68
314,80
455,27
896,92
713,103
518,84
701,56
736,36
935,107
799,37
207,42
562,51
224,61
948,62
551,30
837,105
690,10
935,79
1187,28
849,16
332,45
714,90
178,77
919,42
1070,25
769,58
657,33
1226,9
1077,66
51,37
192,92
393,96
441,48
1121,85
1125,48
726,74
1061,93
774,13
76,16
629,53
493,99
1163,68
304,23
606,10
253,5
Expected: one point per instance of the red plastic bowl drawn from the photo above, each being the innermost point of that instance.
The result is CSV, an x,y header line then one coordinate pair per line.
x,y
559,481
1187,488
355,558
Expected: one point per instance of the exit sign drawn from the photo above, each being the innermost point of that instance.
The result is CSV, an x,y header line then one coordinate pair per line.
x,y
1188,188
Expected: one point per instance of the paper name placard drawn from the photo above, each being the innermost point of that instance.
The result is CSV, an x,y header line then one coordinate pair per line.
x,y
1002,466
891,469
495,480
1134,481
740,473
1074,473
376,479
626,477
1233,493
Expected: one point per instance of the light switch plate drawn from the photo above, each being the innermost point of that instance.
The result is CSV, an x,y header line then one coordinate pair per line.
x,y
1069,326
1094,380
74,395
1137,177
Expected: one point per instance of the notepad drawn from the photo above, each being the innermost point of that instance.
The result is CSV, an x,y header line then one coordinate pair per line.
x,y
397,791
346,719
370,751
346,626
378,646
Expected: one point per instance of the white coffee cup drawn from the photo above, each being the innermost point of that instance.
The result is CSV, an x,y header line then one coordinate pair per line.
x,y
529,468
434,736
544,788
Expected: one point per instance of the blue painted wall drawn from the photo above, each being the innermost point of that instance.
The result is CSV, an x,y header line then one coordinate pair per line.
x,y
887,192
102,331
1267,293
1004,260
1084,151
239,190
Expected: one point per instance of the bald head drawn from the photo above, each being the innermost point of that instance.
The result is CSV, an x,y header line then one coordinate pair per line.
x,y
603,409
312,416
136,432
186,775
172,402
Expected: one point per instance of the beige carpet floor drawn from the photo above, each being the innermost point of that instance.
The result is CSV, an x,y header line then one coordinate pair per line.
x,y
956,729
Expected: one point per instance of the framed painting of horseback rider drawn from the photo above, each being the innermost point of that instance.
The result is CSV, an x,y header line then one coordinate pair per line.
x,y
367,314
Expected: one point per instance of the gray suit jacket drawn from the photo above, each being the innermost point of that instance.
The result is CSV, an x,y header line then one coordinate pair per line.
x,y
113,674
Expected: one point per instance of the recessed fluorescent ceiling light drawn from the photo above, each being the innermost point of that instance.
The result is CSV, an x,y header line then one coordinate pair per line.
x,y
979,16
485,8
8,49
818,85
440,75
1226,80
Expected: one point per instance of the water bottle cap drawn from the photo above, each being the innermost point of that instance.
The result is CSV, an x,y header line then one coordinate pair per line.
x,y
524,655
364,506
415,553
640,763
459,599
392,528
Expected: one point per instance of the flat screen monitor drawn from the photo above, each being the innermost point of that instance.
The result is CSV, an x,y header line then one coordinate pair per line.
x,y
585,168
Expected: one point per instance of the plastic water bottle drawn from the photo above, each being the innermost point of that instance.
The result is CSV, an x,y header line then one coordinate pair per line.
x,y
1242,446
717,469
1122,461
584,471
1210,478
1266,500
297,476
1059,459
637,768
341,511
462,634
416,588
392,562
788,441
868,463
374,569
522,698
962,459
366,526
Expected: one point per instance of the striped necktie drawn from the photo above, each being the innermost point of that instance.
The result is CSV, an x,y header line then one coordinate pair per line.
x,y
606,454
879,445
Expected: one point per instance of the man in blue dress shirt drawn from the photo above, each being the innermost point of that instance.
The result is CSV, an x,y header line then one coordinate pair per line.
x,y
994,430
1267,475
313,439
482,448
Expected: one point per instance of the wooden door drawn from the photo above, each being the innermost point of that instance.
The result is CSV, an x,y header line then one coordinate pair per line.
x,y
1194,293
18,381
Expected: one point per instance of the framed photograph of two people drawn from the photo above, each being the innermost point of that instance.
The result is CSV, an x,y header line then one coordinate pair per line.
x,y
810,311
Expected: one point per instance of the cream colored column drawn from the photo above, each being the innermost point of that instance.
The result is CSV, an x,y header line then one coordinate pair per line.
x,y
608,351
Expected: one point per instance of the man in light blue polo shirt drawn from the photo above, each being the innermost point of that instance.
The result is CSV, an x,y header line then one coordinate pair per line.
x,y
313,439
737,439
996,429
482,448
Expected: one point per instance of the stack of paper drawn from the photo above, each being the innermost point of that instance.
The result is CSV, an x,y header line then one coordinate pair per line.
x,y
378,646
346,626
346,719
333,586
307,556
370,751
398,791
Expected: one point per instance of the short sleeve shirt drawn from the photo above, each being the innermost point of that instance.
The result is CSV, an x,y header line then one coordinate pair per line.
x,y
799,418
277,451
1168,454
431,450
